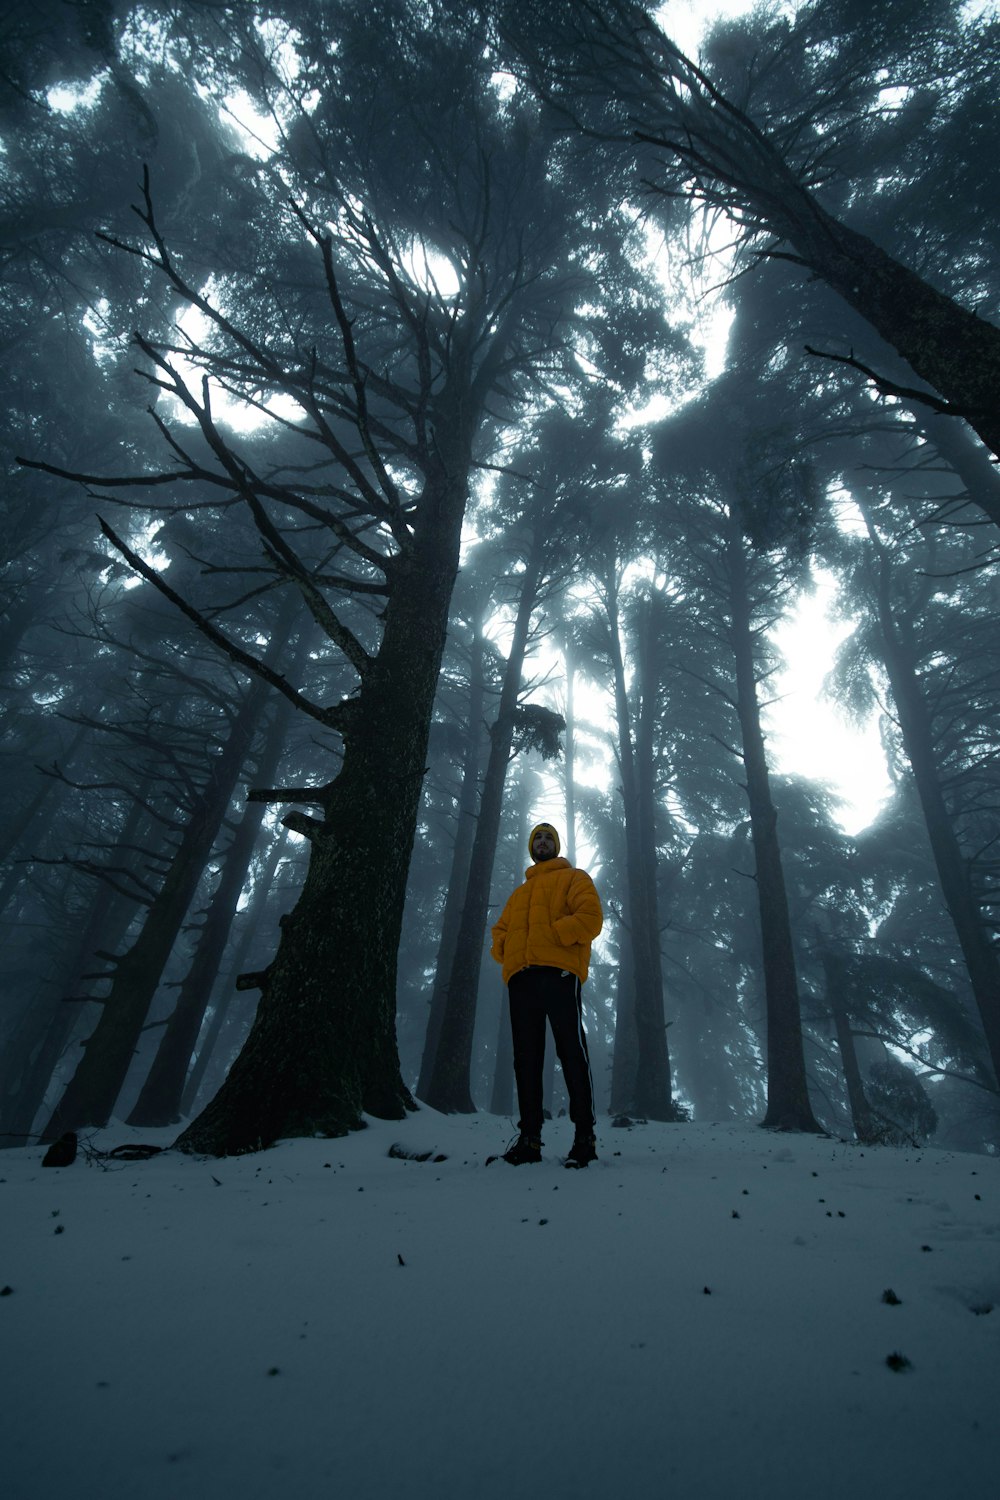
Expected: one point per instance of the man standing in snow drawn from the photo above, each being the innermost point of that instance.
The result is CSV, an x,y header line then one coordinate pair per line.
x,y
543,941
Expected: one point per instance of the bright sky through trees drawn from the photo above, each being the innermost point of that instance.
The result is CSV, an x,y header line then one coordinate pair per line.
x,y
812,737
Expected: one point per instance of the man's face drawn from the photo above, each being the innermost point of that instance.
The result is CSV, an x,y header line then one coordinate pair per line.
x,y
543,846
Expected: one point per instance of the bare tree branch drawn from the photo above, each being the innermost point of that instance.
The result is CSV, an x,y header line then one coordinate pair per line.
x,y
250,663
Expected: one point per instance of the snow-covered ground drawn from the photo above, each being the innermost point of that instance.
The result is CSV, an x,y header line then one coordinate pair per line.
x,y
698,1315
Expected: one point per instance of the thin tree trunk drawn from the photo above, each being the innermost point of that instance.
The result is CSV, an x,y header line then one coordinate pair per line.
x,y
625,1057
45,1032
788,1106
159,1101
502,1098
225,992
449,1089
458,878
22,820
569,754
43,1035
861,1115
652,1096
94,1088
645,831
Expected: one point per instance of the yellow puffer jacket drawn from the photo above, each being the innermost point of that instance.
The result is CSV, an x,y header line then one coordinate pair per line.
x,y
551,919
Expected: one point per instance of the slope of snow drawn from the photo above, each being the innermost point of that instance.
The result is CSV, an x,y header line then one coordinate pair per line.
x,y
698,1315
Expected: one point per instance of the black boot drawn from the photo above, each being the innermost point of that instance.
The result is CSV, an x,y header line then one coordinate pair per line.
x,y
583,1150
524,1152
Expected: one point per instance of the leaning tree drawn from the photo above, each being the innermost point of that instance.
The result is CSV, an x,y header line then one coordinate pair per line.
x,y
608,67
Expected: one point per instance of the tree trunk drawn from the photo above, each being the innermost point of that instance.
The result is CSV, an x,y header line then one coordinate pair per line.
x,y
954,350
502,1097
788,1106
625,1057
32,1054
449,1089
569,755
44,1034
861,1115
916,729
159,1101
323,1046
458,878
645,831
965,456
94,1088
651,1097
223,992
664,102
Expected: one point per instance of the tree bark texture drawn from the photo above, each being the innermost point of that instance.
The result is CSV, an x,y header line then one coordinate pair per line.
x,y
788,1106
322,1049
952,349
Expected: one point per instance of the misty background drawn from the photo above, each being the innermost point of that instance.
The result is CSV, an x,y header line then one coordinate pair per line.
x,y
422,419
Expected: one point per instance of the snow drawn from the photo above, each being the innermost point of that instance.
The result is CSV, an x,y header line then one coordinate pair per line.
x,y
697,1315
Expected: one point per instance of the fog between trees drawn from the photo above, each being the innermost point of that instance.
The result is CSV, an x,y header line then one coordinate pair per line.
x,y
336,556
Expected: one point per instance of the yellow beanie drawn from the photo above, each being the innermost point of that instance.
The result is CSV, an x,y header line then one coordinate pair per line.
x,y
548,829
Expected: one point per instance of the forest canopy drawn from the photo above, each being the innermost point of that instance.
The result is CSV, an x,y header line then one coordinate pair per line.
x,y
374,491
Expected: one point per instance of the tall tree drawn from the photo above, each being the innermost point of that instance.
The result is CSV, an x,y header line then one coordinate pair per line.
x,y
939,663
91,1094
445,273
651,1091
615,72
741,553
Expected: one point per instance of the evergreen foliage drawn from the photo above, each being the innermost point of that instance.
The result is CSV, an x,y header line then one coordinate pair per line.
x,y
372,334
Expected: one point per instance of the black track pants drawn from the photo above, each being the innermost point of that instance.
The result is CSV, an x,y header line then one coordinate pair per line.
x,y
536,993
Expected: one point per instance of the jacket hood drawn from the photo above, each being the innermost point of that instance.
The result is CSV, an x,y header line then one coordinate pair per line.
x,y
547,866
